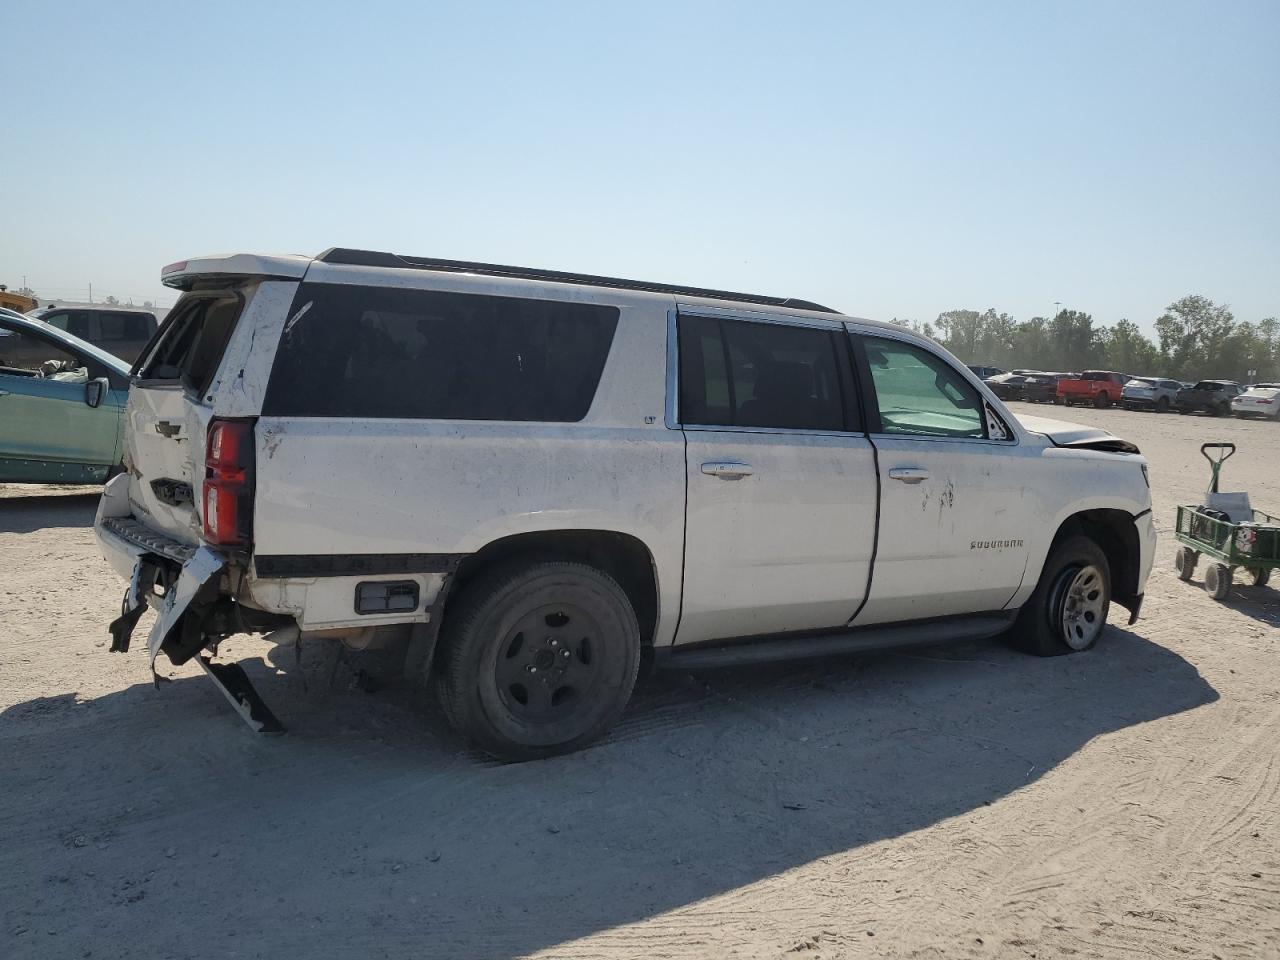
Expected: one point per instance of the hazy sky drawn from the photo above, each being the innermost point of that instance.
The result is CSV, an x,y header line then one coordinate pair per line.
x,y
887,159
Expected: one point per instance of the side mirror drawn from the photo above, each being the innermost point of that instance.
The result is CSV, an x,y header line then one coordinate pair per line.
x,y
95,391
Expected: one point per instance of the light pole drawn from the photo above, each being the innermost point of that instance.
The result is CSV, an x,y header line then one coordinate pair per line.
x,y
1057,307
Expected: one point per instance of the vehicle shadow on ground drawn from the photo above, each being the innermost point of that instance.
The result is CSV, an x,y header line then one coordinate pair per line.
x,y
366,831
32,512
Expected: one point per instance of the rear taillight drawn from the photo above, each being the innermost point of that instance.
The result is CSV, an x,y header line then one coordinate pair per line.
x,y
228,483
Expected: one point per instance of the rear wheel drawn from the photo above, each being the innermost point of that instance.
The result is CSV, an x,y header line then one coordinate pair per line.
x,y
1217,581
539,658
1184,561
1068,609
1259,576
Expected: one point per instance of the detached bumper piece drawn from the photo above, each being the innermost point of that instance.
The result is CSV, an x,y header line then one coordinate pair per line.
x,y
184,611
234,683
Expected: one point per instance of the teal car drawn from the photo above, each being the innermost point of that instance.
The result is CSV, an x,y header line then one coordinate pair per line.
x,y
62,405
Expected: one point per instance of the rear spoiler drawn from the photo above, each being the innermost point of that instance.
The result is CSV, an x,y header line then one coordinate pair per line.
x,y
185,274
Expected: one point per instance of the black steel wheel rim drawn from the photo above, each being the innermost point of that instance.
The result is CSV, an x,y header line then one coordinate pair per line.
x,y
550,663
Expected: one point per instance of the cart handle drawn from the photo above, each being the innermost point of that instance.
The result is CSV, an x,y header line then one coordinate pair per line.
x,y
1216,465
1206,447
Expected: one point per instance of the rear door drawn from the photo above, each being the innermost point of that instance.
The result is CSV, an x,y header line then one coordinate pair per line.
x,y
169,410
954,508
781,480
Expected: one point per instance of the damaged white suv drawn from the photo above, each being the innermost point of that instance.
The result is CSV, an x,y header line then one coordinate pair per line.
x,y
535,481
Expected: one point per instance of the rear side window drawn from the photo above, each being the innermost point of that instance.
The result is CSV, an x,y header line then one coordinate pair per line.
x,y
769,375
126,326
379,352
189,347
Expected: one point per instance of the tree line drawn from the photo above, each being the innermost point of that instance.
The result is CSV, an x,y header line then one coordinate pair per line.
x,y
1195,339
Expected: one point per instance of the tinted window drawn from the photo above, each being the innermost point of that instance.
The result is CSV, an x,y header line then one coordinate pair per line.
x,y
737,373
919,394
352,351
124,326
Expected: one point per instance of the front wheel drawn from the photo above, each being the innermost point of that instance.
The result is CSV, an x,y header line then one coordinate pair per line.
x,y
539,658
1102,401
1217,581
1162,405
1068,609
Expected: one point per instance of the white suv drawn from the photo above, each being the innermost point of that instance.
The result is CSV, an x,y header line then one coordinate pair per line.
x,y
560,476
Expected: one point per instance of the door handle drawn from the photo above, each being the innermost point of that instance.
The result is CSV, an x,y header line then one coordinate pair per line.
x,y
727,469
909,474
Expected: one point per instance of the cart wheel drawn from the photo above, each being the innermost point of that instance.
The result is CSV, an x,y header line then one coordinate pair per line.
x,y
1260,576
1184,561
1217,581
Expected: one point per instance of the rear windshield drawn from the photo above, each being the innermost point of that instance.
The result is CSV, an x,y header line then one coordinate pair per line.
x,y
1141,383
189,346
353,351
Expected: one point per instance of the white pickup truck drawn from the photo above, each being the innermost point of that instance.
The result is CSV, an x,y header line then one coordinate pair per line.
x,y
535,481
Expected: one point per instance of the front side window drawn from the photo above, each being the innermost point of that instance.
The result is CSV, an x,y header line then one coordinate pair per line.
x,y
739,373
26,354
919,394
383,352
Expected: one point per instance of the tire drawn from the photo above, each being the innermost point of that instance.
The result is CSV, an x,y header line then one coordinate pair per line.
x,y
1259,576
1043,627
587,649
1184,561
1217,581
1162,405
1130,407
1224,410
1102,401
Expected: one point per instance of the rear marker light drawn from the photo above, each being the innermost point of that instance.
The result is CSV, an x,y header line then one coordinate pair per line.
x,y
396,596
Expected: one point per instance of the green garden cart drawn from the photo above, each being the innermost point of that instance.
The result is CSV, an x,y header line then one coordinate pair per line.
x,y
1226,529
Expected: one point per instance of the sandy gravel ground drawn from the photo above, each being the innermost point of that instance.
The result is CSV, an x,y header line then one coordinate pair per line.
x,y
949,802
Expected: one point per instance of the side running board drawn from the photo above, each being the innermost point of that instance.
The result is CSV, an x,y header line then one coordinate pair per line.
x,y
861,640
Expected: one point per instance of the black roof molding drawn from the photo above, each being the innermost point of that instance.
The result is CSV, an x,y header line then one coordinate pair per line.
x,y
372,258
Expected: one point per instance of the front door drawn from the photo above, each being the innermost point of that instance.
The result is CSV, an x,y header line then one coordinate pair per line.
x,y
954,509
781,484
44,415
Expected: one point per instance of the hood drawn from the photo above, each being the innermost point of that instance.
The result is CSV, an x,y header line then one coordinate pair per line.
x,y
1064,434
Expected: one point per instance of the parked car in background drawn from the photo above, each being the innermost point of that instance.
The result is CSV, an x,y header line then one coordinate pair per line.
x,y
121,331
1260,400
1043,387
61,405
1098,388
531,481
1007,386
1208,396
1150,393
982,373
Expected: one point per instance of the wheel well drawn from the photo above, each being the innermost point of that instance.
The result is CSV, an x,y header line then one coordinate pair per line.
x,y
1115,532
622,556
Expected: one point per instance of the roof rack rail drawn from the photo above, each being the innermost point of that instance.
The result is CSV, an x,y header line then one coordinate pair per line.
x,y
372,258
